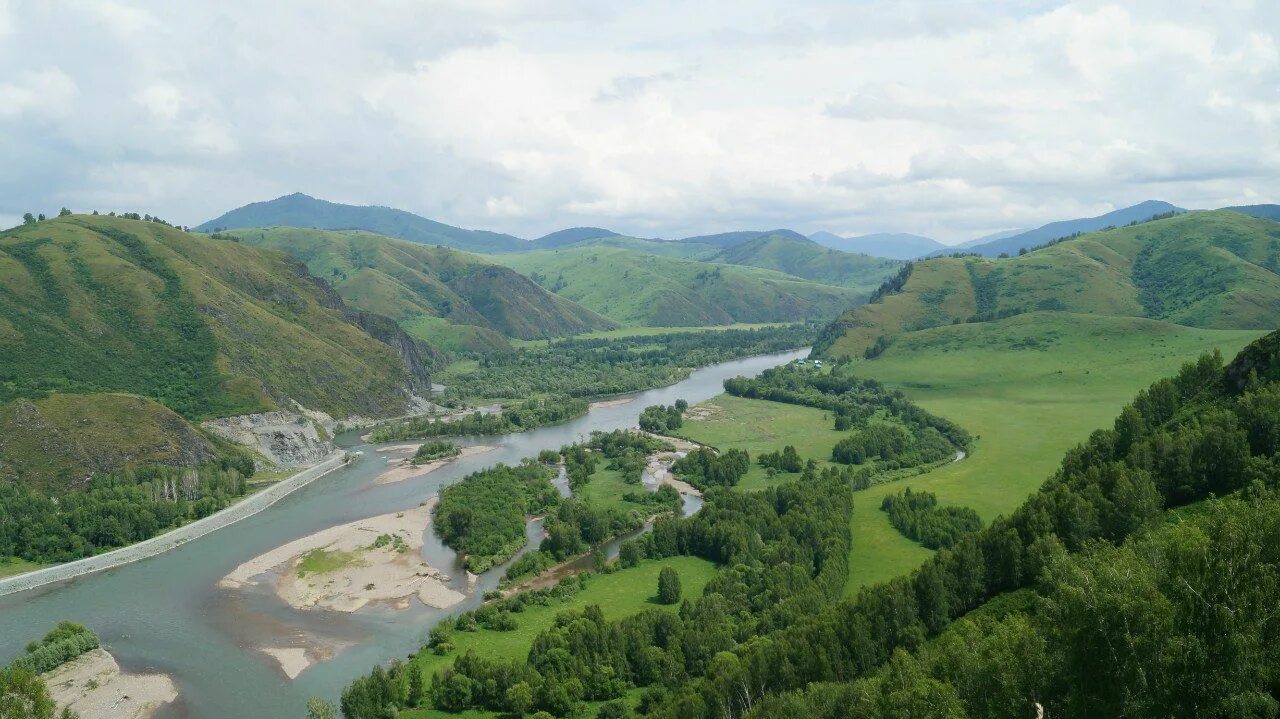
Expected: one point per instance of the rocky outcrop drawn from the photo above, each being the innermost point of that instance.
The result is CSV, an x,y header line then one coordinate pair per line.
x,y
285,439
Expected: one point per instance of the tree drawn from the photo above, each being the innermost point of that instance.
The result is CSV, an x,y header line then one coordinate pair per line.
x,y
318,708
23,695
668,586
520,698
41,217
64,212
28,218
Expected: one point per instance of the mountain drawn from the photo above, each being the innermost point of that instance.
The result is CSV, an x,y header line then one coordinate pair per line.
x,y
299,210
638,288
406,282
805,258
988,238
1140,212
894,245
571,236
208,328
1270,212
725,240
1216,269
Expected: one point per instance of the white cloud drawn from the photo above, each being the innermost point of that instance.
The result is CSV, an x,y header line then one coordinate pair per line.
x,y
657,118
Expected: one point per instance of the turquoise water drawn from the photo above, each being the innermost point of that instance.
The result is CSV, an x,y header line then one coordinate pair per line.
x,y
168,614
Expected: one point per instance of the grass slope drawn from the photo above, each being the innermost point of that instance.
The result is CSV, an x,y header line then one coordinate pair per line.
x,y
206,327
1205,269
1030,387
406,282
636,288
53,442
299,210
810,260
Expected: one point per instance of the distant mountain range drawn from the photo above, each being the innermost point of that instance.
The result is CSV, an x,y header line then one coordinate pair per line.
x,y
299,210
1065,228
893,245
1212,269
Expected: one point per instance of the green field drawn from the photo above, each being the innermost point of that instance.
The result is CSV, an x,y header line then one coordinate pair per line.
x,y
621,594
762,426
605,491
1029,387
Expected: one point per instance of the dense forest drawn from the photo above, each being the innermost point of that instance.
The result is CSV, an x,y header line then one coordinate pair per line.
x,y
1140,580
115,509
918,516
599,367
483,516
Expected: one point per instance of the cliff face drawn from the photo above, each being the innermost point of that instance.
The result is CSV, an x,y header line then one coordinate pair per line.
x,y
285,439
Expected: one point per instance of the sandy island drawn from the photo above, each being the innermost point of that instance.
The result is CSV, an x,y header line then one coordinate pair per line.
x,y
401,470
93,686
610,403
341,569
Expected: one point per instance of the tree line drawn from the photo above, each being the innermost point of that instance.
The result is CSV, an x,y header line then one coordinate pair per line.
x,y
519,417
918,516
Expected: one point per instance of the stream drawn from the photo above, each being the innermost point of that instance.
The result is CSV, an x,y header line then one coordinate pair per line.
x,y
167,614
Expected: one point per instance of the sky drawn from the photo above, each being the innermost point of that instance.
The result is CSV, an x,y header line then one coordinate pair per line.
x,y
950,119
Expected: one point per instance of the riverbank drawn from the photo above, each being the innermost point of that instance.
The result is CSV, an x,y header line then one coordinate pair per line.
x,y
161,543
402,469
347,567
92,686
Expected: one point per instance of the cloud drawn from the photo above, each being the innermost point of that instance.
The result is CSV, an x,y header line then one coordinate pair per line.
x,y
655,118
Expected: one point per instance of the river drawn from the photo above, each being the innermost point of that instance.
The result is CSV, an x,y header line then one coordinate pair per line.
x,y
167,613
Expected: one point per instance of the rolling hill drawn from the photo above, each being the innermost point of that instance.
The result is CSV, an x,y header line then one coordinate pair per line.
x,y
208,328
408,282
570,236
1065,228
725,240
1270,212
893,245
805,258
299,210
637,288
1218,270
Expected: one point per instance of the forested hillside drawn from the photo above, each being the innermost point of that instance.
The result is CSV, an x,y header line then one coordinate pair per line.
x,y
408,282
207,328
644,289
1216,269
1140,580
299,210
805,258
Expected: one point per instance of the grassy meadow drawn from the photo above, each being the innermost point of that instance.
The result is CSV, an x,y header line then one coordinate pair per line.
x,y
1030,387
621,594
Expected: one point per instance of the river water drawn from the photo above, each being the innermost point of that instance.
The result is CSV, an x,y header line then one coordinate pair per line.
x,y
167,613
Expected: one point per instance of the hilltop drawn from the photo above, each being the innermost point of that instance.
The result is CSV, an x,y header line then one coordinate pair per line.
x,y
1013,244
637,288
299,210
208,328
408,282
1205,269
802,257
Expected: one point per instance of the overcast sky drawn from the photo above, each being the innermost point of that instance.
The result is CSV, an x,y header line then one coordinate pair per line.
x,y
950,119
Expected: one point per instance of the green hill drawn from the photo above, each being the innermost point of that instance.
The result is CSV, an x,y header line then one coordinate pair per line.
x,y
299,210
1217,270
643,289
208,328
408,282
54,443
805,258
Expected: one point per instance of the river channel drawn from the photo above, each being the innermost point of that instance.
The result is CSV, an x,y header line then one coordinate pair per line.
x,y
167,613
